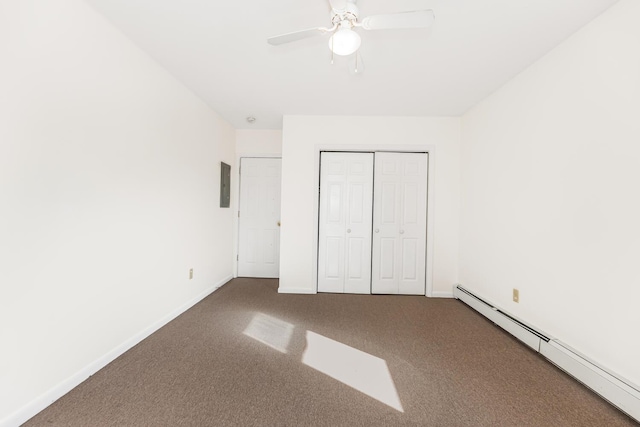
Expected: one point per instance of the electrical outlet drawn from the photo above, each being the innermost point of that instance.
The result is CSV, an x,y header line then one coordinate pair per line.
x,y
190,273
516,295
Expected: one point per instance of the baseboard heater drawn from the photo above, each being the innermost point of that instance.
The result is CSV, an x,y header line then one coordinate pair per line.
x,y
611,387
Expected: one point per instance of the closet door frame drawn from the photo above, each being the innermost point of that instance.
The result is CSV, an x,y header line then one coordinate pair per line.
x,y
418,148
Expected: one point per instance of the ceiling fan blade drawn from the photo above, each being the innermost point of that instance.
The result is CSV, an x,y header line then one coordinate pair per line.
x,y
296,35
338,4
415,19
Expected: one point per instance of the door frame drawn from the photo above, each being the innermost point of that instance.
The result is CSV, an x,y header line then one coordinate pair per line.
x,y
430,149
235,195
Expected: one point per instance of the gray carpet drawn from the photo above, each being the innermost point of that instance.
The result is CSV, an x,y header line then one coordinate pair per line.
x,y
449,365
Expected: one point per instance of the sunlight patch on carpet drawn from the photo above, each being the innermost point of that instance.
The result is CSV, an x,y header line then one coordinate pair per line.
x,y
271,331
357,369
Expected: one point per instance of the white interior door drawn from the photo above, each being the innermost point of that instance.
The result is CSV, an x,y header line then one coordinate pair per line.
x,y
259,222
344,241
400,224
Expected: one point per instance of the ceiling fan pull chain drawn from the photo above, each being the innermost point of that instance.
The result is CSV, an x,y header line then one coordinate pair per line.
x,y
332,51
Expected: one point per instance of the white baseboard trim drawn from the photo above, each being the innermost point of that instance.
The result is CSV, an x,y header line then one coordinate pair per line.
x,y
440,294
611,387
38,404
305,291
510,324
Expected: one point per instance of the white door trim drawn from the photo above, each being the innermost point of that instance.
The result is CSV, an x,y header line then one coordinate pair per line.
x,y
419,148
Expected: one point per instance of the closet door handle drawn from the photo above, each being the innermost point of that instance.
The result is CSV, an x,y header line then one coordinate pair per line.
x,y
377,230
401,231
348,230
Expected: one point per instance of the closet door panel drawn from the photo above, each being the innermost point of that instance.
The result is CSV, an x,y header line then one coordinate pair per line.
x,y
399,222
332,220
410,263
413,226
346,198
356,261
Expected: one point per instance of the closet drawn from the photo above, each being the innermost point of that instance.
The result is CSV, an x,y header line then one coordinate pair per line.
x,y
372,223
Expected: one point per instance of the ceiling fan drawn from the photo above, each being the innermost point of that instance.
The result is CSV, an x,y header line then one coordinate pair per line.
x,y
345,17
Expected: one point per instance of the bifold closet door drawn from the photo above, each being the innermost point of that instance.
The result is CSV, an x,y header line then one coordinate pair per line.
x,y
400,224
344,240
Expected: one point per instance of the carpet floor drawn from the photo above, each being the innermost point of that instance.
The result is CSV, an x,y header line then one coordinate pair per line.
x,y
248,356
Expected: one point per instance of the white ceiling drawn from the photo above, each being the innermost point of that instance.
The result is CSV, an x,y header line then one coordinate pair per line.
x,y
219,50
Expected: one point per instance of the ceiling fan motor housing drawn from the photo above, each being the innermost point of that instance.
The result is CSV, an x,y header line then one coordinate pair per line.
x,y
349,14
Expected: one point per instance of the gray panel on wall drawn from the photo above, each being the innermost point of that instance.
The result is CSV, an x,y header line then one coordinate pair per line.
x,y
225,185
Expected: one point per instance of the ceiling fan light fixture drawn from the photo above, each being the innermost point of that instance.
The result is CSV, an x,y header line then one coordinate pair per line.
x,y
344,42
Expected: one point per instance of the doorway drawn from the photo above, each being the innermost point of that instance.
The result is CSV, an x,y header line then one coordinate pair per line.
x,y
259,217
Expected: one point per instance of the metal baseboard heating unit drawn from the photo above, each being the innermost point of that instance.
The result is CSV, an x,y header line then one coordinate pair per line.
x,y
616,390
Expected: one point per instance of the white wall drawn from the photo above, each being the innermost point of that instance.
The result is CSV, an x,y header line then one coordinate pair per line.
x,y
302,135
258,142
109,175
251,143
550,181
